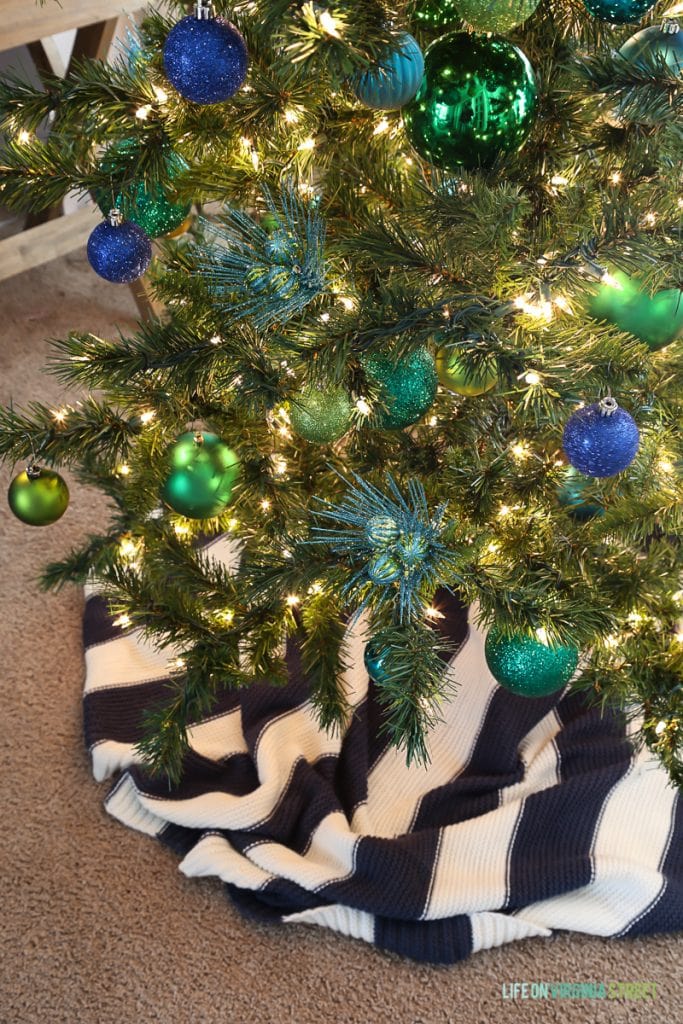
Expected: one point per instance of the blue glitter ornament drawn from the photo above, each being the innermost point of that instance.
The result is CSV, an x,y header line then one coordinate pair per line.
x,y
205,58
529,667
118,250
601,439
395,79
618,12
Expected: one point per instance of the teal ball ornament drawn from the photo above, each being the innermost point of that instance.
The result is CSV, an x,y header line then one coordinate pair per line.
x,y
571,496
320,416
478,99
376,660
38,497
395,79
618,12
655,44
527,666
202,471
382,531
384,569
407,388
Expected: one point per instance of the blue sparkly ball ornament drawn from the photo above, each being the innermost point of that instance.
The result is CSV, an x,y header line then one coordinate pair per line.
x,y
618,12
529,667
601,439
205,58
395,79
118,250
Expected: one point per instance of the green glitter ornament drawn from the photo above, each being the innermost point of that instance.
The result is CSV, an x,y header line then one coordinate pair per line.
x,y
146,205
528,667
456,375
38,496
437,13
407,388
496,15
202,472
320,416
478,99
382,531
657,320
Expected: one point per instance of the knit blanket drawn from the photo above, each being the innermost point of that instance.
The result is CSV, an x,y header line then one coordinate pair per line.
x,y
534,814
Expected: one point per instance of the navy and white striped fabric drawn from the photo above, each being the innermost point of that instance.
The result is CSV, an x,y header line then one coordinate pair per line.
x,y
534,815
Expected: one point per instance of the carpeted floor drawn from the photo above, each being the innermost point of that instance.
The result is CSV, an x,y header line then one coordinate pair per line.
x,y
98,926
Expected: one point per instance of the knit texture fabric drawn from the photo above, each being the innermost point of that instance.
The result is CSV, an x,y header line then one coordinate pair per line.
x,y
534,814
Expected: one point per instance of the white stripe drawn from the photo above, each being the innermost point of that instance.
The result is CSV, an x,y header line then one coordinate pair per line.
x,y
631,838
124,805
214,855
125,661
357,924
540,756
330,857
219,737
395,790
109,756
490,929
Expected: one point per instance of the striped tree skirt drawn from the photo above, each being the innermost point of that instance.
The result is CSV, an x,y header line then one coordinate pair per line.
x,y
534,815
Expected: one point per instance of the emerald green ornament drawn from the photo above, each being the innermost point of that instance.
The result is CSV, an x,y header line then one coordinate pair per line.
x,y
38,496
618,12
382,531
570,494
147,205
496,15
437,13
528,667
202,472
407,388
456,375
478,99
320,416
656,320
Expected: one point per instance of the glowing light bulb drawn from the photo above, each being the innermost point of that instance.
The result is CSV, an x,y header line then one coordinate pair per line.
x,y
161,94
363,407
291,116
611,281
307,144
181,529
293,600
142,113
381,127
265,504
329,24
542,636
123,469
520,450
660,727
532,378
59,415
123,621
216,340
24,136
147,416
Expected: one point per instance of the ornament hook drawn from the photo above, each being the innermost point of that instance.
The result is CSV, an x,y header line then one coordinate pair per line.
x,y
203,10
608,406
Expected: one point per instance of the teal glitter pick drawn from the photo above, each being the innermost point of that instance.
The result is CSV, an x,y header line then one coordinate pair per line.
x,y
526,666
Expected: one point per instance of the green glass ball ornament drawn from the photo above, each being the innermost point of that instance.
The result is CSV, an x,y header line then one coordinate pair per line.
x,y
618,12
496,15
528,667
148,206
570,495
382,531
478,99
320,416
456,375
656,320
437,13
407,388
38,496
656,43
202,473
384,569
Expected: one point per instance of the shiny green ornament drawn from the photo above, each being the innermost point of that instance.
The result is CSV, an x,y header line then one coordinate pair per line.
x,y
618,12
320,416
38,496
496,15
407,388
456,375
570,494
382,531
146,205
202,473
437,13
478,99
526,666
384,569
657,320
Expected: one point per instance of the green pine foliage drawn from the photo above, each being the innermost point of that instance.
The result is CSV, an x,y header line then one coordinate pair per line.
x,y
498,263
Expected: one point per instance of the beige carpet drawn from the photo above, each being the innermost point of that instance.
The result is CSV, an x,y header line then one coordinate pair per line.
x,y
98,926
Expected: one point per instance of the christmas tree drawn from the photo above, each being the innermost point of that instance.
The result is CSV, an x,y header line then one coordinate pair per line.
x,y
420,333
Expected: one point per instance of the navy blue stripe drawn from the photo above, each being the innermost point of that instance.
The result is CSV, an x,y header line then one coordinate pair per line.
x,y
667,913
277,898
116,713
235,775
436,942
98,625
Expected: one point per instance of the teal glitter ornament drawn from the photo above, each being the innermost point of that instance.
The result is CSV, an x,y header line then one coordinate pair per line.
x,y
529,667
407,388
618,12
382,531
478,99
437,13
320,416
496,15
202,473
38,497
412,549
655,44
147,205
395,79
571,496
